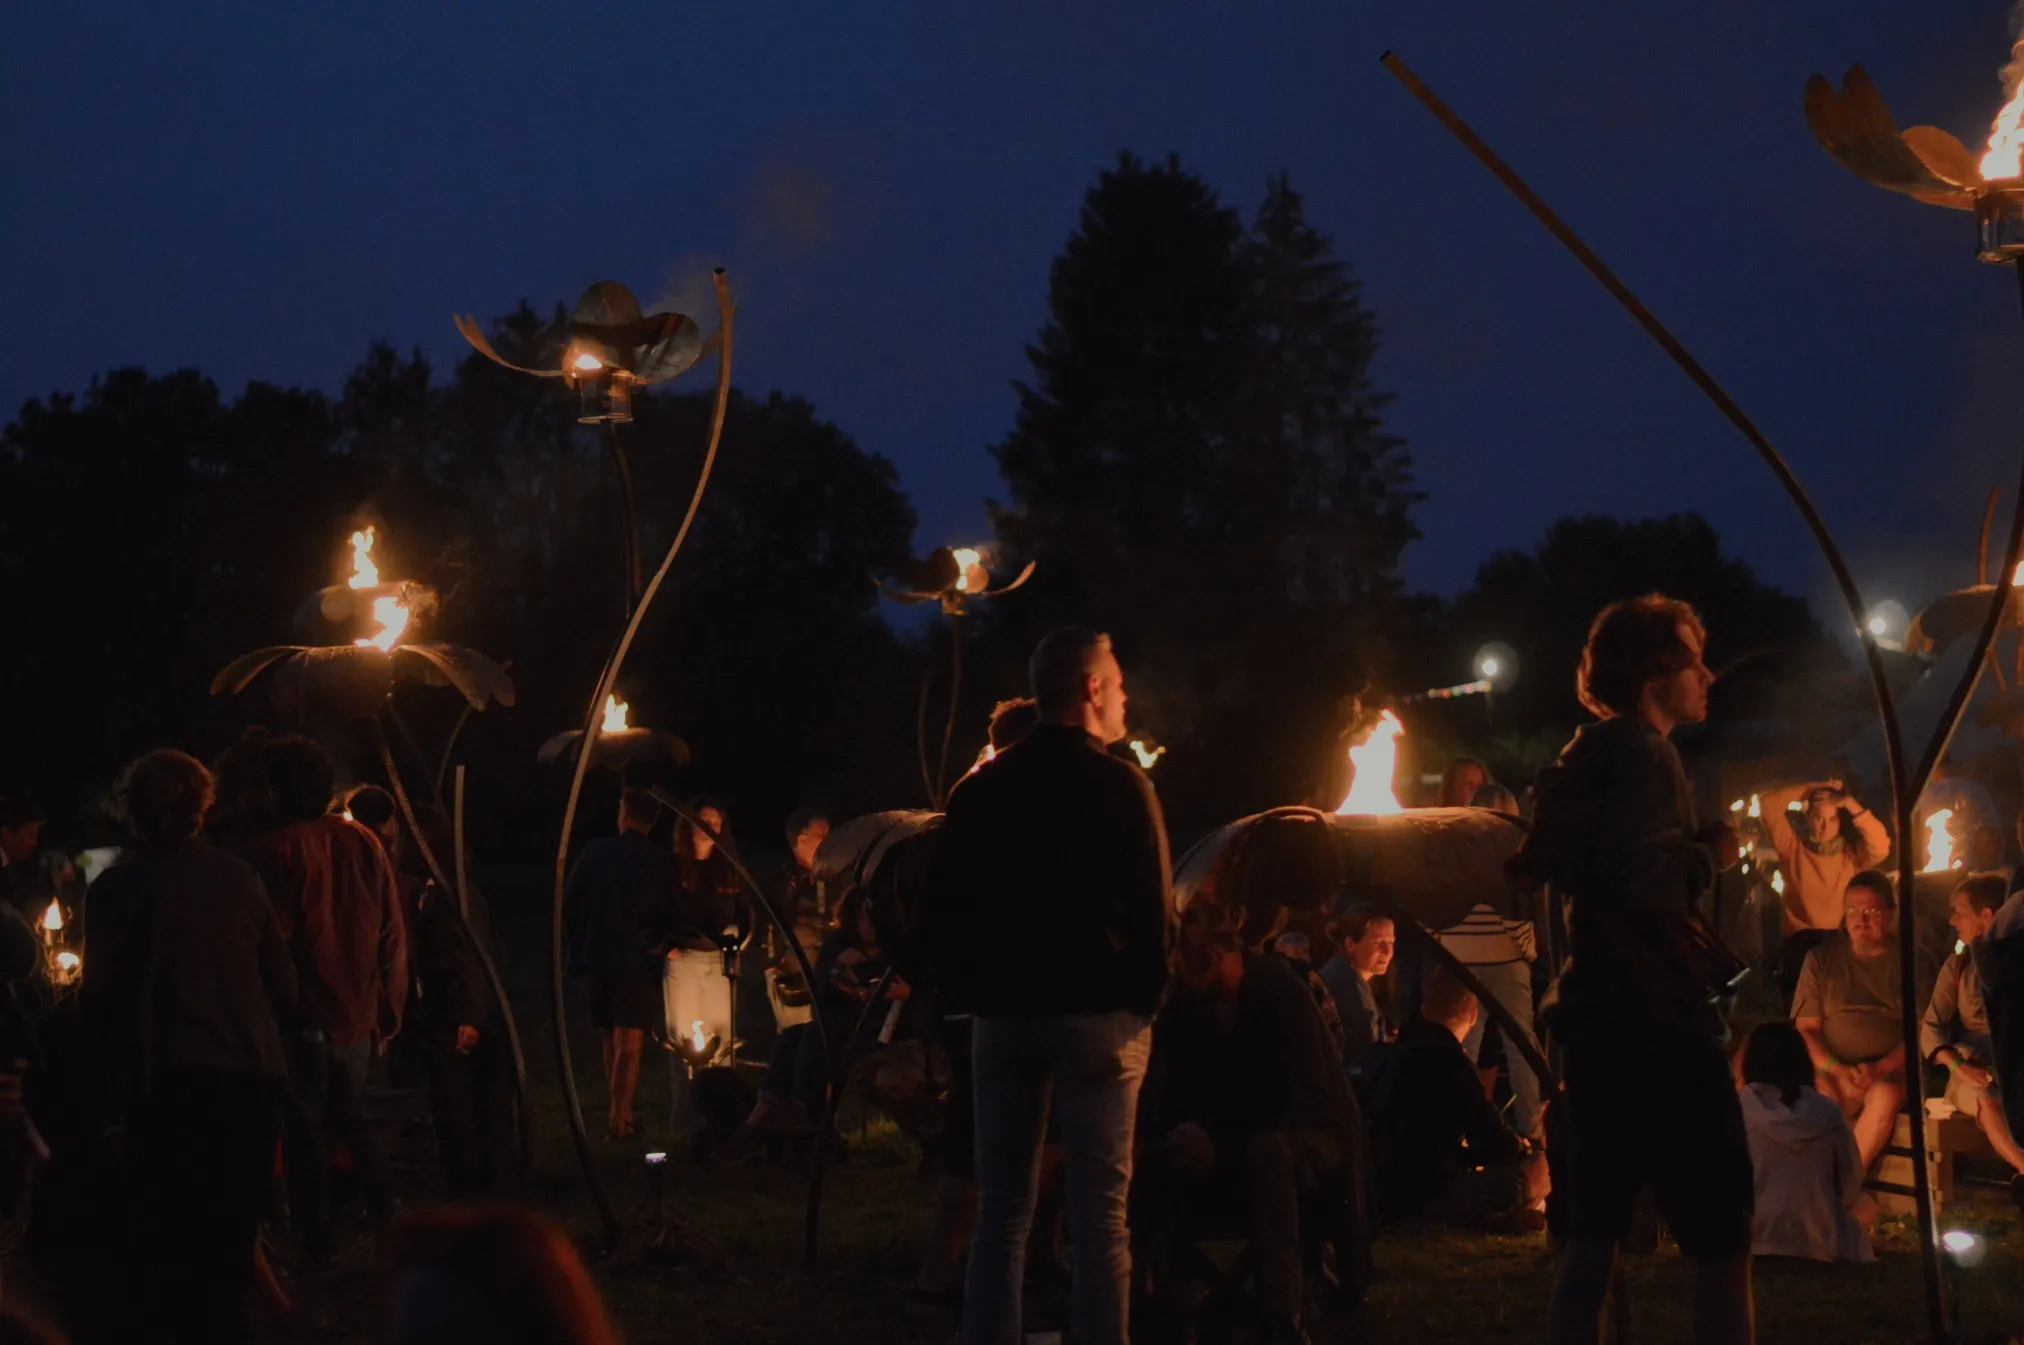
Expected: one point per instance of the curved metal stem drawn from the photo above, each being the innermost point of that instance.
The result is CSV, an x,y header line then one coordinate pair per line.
x,y
1904,794
414,746
525,1124
630,509
921,719
832,1103
949,725
592,716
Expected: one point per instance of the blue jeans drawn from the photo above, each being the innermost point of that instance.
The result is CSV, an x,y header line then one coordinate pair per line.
x,y
1094,1064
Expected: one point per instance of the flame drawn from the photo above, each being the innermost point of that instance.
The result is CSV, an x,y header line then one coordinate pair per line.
x,y
1778,883
2017,576
1939,842
1375,761
2005,158
1756,808
364,574
699,1036
52,919
614,715
392,615
967,559
586,363
68,961
1146,757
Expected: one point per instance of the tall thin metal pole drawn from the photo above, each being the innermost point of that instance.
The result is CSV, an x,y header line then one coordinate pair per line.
x,y
586,1158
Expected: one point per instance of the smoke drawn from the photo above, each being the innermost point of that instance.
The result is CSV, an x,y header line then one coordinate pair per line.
x,y
2013,72
687,287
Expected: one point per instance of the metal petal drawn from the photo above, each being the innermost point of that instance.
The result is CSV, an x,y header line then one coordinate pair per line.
x,y
1858,132
467,327
1944,156
1947,619
237,675
1024,575
479,679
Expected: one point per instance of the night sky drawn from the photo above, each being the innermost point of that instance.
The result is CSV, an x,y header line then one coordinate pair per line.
x,y
261,193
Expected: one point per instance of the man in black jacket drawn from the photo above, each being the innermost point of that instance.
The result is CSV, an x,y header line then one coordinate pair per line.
x,y
1634,1009
1047,917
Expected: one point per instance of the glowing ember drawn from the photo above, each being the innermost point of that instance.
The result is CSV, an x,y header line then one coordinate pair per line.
x,y
2005,158
52,919
699,1036
1146,757
364,574
1939,842
392,615
614,715
1375,761
587,363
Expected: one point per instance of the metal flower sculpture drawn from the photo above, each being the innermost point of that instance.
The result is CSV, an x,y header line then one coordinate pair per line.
x,y
950,576
356,678
612,346
617,742
1925,162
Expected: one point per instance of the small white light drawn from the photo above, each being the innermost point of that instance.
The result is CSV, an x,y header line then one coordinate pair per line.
x,y
1964,1247
1490,666
1877,625
655,1160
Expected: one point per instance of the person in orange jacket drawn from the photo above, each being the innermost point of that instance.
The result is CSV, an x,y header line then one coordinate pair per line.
x,y
1834,839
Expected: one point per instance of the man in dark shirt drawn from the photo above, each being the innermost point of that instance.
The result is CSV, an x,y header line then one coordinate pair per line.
x,y
1440,1149
340,911
1063,995
1247,1112
613,883
1634,1010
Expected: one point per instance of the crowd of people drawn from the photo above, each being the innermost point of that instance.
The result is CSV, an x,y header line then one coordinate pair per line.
x,y
1105,1072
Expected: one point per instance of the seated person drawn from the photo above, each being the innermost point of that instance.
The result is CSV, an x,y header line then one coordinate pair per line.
x,y
1810,1202
1954,1033
1367,942
1847,1005
1294,947
1440,1150
1245,1110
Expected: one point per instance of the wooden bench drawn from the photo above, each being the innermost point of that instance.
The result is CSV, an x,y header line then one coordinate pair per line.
x,y
1946,1137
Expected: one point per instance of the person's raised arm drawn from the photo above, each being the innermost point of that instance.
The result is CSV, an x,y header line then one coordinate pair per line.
x,y
1776,807
1872,837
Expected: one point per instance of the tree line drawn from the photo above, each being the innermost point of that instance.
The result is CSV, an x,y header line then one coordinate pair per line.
x,y
1199,464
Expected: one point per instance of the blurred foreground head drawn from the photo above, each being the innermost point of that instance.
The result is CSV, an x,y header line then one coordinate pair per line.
x,y
490,1275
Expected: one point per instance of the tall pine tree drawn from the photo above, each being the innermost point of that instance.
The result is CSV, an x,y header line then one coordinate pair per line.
x,y
1198,466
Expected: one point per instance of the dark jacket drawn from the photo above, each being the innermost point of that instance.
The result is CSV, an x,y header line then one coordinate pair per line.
x,y
1050,890
340,911
187,969
451,987
1425,1102
613,883
705,899
1617,834
1263,1063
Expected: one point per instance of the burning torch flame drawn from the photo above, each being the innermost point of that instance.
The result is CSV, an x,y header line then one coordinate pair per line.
x,y
2005,158
2017,576
966,558
392,615
52,919
699,1037
1146,758
1375,761
586,363
614,715
364,574
67,961
1778,883
1939,842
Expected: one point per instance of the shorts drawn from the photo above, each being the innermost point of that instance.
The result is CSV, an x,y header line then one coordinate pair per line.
x,y
624,1002
1658,1113
1968,1098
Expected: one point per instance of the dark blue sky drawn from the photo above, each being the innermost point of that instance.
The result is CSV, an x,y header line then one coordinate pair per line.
x,y
262,191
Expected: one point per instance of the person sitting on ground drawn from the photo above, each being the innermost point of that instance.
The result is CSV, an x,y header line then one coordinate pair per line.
x,y
1441,1152
611,886
1847,1005
1810,1202
1954,1033
1294,947
1246,1109
1837,839
1368,942
466,1274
